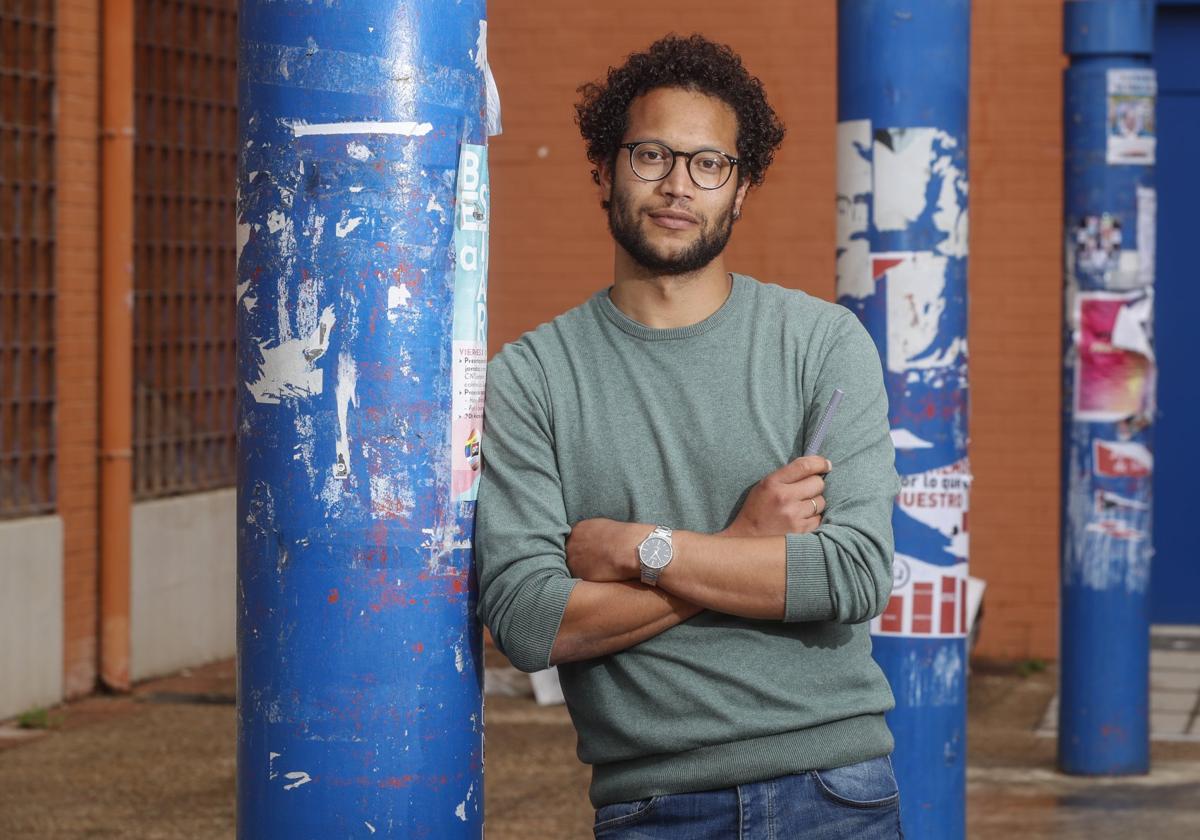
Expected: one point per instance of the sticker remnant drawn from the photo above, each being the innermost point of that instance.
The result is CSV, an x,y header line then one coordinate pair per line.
x,y
289,368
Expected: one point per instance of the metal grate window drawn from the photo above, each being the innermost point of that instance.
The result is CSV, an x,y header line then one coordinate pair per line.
x,y
185,370
26,257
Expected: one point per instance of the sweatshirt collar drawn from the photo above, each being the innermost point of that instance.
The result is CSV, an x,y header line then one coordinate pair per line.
x,y
637,329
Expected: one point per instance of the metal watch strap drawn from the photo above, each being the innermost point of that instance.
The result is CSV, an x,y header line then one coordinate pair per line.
x,y
649,575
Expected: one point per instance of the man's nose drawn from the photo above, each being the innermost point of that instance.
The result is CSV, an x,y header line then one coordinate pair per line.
x,y
678,183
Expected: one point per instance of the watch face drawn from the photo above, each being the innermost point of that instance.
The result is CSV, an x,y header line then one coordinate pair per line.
x,y
655,552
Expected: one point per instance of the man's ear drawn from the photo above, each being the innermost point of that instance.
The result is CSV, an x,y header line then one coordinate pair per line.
x,y
603,176
739,198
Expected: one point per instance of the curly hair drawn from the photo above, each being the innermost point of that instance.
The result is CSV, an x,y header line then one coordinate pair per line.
x,y
693,63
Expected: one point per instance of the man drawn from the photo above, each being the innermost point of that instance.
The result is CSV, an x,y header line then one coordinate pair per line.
x,y
644,522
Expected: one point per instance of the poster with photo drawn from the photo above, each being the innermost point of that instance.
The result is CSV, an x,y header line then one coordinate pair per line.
x,y
1131,120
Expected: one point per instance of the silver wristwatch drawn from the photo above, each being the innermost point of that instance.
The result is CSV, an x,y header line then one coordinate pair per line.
x,y
655,552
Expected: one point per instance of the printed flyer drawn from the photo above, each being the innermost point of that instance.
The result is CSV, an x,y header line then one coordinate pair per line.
x,y
469,363
1131,123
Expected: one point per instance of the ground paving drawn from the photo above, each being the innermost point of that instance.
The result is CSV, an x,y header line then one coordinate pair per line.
x,y
159,765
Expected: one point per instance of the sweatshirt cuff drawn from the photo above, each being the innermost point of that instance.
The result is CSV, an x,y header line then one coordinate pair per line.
x,y
808,597
536,619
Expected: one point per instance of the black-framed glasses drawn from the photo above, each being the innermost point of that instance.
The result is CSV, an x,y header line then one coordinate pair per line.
x,y
708,168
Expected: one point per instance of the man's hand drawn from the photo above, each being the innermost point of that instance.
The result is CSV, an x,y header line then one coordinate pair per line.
x,y
788,501
602,550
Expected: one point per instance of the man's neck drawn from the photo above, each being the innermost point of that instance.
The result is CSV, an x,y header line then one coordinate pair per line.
x,y
670,301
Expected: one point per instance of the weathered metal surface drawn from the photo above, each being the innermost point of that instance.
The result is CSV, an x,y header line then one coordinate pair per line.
x,y
902,268
362,171
1108,386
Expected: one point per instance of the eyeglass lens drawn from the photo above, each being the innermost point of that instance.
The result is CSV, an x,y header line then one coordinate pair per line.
x,y
653,162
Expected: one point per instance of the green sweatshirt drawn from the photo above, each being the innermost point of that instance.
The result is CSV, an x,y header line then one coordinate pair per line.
x,y
597,415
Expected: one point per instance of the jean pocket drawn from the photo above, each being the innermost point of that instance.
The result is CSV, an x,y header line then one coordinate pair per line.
x,y
624,813
868,784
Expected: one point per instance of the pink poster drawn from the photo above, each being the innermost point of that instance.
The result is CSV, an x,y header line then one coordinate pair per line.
x,y
1115,369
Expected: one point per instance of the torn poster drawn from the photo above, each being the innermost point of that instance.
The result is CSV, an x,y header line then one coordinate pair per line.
x,y
1095,258
927,600
1131,120
1102,252
1107,501
1121,459
853,208
918,294
929,595
1106,538
491,92
1147,227
917,315
919,180
1114,372
469,359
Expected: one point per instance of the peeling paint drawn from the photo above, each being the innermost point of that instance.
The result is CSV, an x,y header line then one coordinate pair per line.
x,y
345,394
398,297
299,777
391,498
288,369
904,439
347,224
406,127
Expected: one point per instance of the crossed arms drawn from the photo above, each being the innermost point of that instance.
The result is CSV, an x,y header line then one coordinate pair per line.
x,y
609,610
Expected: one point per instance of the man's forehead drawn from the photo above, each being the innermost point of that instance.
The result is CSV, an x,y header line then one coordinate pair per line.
x,y
682,118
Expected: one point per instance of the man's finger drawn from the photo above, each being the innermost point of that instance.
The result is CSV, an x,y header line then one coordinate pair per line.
x,y
802,490
803,468
813,507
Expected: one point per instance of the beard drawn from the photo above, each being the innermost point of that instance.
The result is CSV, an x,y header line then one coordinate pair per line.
x,y
713,236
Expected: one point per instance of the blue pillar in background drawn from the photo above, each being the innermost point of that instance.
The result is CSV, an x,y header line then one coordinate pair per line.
x,y
362,257
1108,379
902,267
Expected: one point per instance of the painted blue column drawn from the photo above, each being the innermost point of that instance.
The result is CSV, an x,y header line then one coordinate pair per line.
x,y
362,218
902,267
1108,386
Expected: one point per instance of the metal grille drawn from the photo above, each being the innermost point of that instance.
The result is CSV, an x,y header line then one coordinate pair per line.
x,y
26,257
184,251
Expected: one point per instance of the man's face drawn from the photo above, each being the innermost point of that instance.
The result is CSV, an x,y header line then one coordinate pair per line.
x,y
673,226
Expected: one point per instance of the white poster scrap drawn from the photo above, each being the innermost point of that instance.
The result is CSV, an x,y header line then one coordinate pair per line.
x,y
853,189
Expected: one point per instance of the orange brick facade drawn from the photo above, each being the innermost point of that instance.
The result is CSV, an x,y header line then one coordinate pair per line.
x,y
550,247
78,328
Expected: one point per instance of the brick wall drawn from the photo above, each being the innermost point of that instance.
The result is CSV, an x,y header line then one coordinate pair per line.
x,y
550,246
78,278
1016,316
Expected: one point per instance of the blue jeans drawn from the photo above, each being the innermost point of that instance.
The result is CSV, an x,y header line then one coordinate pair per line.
x,y
859,802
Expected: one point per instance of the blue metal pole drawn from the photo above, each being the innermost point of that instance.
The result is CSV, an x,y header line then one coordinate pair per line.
x,y
902,268
362,219
1108,379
